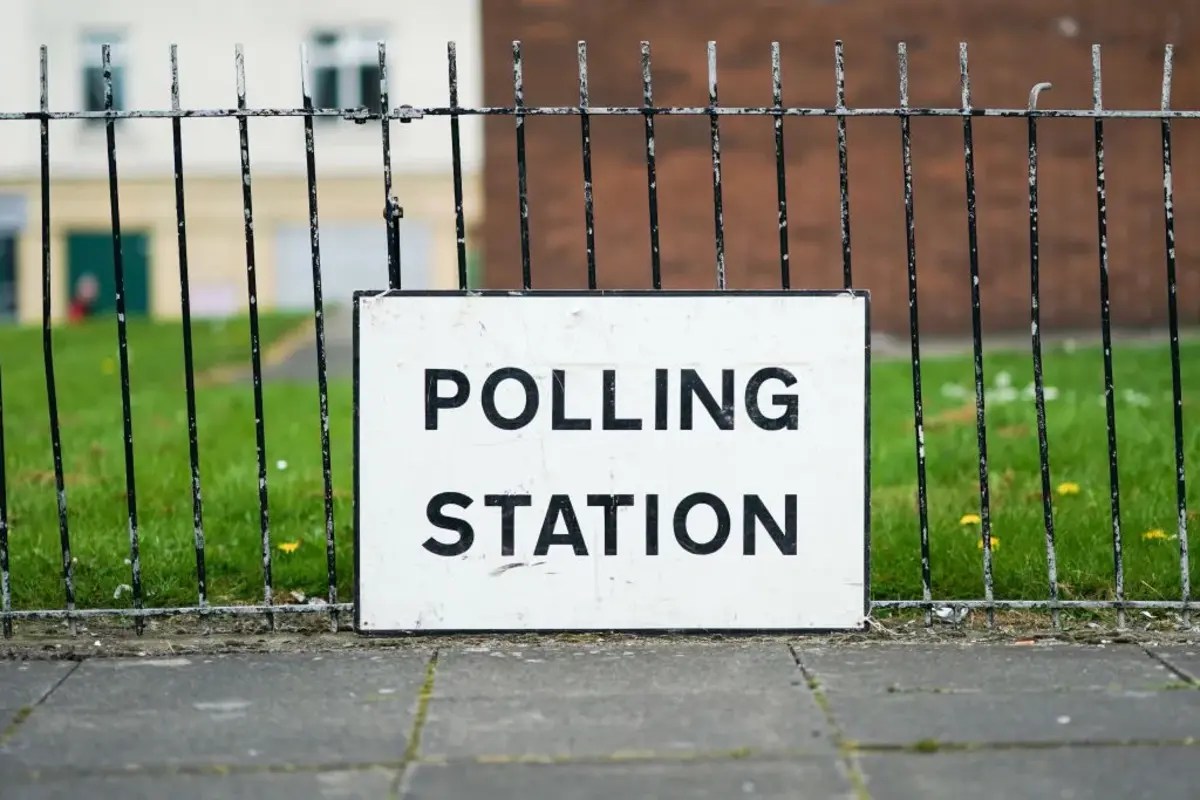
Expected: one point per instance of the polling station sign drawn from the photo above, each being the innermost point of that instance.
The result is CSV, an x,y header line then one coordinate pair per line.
x,y
611,461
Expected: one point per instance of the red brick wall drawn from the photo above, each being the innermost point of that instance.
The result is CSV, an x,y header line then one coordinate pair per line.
x,y
1013,44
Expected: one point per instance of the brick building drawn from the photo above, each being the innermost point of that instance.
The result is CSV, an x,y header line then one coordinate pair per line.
x,y
1013,45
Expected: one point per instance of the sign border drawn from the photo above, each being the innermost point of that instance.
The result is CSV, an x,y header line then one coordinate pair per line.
x,y
854,293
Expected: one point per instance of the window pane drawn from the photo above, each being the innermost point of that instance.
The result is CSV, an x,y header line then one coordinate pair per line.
x,y
323,49
368,86
93,89
325,88
118,79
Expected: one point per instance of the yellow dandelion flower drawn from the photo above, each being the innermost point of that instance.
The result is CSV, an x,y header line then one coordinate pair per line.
x,y
1069,487
1157,533
970,519
289,547
995,543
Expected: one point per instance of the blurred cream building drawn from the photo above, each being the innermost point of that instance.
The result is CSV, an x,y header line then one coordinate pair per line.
x,y
342,42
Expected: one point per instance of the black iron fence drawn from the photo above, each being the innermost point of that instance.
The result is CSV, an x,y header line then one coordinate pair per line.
x,y
778,112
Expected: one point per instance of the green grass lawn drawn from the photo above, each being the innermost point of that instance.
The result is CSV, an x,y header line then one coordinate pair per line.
x,y
90,412
89,397
1078,455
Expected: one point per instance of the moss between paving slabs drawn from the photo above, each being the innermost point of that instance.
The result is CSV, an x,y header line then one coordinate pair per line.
x,y
90,410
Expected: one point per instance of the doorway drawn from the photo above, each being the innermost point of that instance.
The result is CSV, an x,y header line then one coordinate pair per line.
x,y
90,255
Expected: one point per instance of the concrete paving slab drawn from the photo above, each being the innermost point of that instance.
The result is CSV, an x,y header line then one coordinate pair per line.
x,y
350,708
1002,669
594,726
722,718
807,777
598,700
215,683
24,683
1081,773
610,668
342,785
1185,658
299,734
1019,717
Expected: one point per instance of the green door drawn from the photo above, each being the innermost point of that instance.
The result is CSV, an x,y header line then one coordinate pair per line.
x,y
92,254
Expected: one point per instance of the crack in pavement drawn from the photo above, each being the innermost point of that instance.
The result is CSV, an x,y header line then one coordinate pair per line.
x,y
854,773
27,711
1182,673
413,751
929,746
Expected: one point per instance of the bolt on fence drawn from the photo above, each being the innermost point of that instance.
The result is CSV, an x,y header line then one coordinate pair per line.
x,y
649,112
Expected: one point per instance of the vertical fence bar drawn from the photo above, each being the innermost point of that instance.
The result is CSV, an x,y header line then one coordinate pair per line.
x,y
460,228
651,168
390,218
122,337
185,305
1106,333
393,212
914,327
310,163
715,136
1035,329
5,584
522,180
64,536
785,272
839,65
585,130
255,348
1185,583
977,332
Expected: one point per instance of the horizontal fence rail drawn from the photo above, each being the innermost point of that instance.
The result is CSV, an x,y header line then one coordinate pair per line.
x,y
138,611
410,113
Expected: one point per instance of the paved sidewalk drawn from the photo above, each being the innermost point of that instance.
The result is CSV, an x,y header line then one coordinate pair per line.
x,y
647,718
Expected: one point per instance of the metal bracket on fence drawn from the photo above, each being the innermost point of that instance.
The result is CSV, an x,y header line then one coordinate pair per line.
x,y
951,614
405,114
392,210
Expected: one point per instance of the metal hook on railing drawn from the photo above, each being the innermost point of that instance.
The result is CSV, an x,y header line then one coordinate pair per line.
x,y
1036,91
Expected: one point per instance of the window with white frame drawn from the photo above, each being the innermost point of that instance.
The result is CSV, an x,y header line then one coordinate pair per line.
x,y
345,68
92,74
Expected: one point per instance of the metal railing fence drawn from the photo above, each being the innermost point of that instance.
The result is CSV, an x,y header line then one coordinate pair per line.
x,y
778,112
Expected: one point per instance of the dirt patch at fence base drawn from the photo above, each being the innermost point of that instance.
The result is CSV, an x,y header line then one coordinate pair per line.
x,y
52,641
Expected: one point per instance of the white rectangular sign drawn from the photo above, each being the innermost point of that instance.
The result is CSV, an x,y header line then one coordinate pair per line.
x,y
617,461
